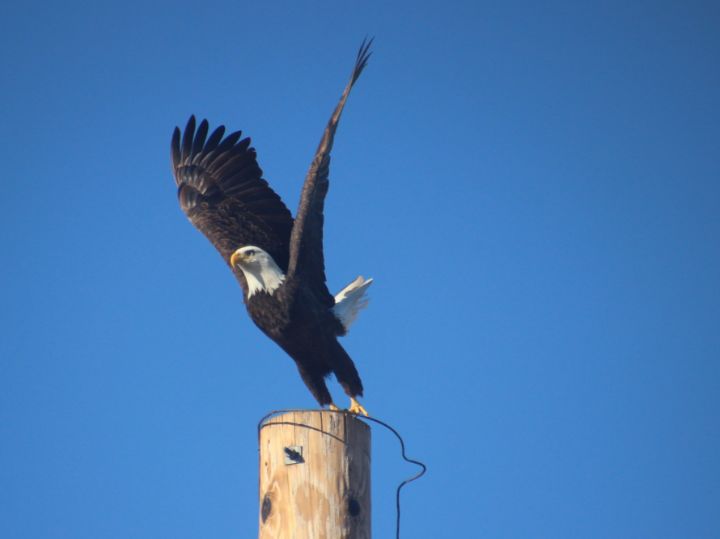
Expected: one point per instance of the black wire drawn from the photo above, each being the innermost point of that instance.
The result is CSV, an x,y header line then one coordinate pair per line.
x,y
405,457
418,475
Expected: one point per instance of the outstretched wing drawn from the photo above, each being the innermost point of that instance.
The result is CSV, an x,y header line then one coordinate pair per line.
x,y
306,241
221,190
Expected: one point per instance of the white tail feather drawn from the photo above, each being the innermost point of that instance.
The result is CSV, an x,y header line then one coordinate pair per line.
x,y
351,300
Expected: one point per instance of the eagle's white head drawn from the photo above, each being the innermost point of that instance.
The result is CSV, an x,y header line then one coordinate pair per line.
x,y
260,270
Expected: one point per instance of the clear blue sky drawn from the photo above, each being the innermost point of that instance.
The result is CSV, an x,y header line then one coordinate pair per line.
x,y
534,188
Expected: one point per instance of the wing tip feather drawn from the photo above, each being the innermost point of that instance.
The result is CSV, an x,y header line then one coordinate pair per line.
x,y
363,56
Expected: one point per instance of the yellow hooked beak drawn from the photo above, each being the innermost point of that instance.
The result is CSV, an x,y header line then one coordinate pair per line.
x,y
237,255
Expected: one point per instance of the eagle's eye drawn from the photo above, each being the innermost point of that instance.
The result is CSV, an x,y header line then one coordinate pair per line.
x,y
250,252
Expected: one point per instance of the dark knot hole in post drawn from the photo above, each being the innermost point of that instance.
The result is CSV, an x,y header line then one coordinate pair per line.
x,y
353,507
266,508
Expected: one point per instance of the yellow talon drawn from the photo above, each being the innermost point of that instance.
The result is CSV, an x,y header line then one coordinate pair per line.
x,y
333,407
357,408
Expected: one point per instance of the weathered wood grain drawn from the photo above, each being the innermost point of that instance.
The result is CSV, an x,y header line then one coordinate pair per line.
x,y
320,487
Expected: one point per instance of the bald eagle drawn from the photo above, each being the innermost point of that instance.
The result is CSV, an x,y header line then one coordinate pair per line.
x,y
278,260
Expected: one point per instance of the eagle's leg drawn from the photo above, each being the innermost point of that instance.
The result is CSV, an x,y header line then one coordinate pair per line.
x,y
333,407
315,382
356,408
349,379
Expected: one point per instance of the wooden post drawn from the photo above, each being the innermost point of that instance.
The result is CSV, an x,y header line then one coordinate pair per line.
x,y
314,476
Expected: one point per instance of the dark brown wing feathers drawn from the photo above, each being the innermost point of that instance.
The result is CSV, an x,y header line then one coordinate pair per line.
x,y
306,248
221,189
